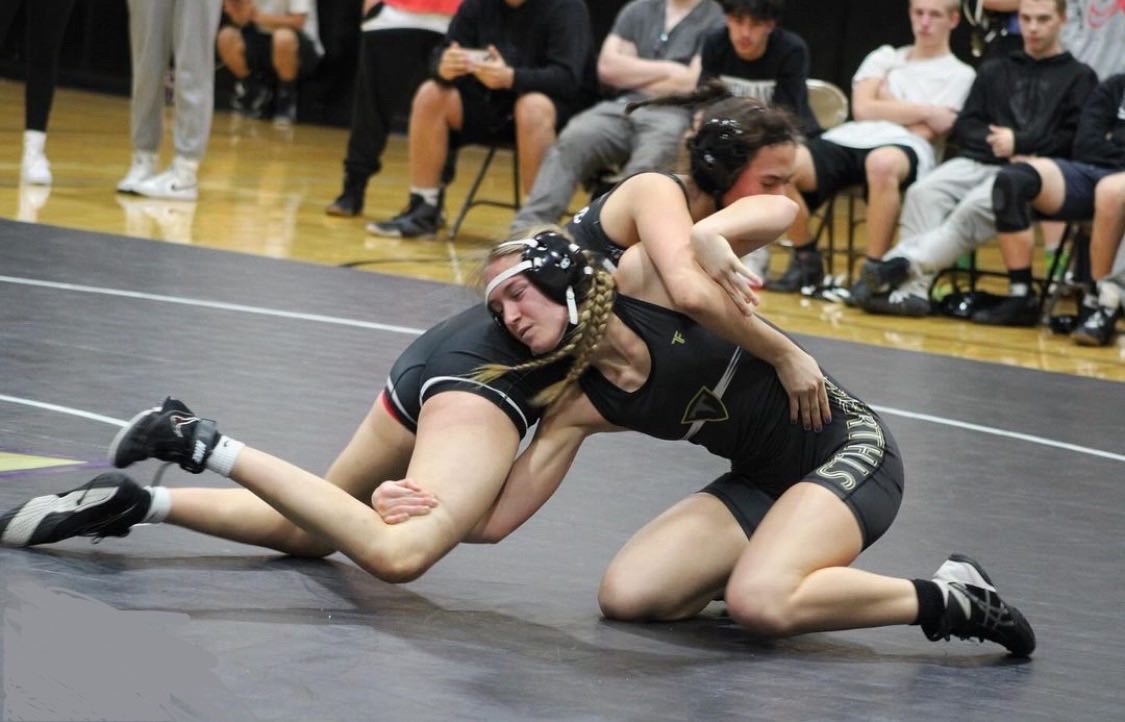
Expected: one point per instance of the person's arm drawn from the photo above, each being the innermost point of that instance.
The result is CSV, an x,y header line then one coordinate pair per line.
x,y
664,223
721,239
870,103
620,67
448,61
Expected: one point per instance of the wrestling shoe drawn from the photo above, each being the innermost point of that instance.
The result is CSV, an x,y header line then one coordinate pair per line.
x,y
170,433
107,505
973,609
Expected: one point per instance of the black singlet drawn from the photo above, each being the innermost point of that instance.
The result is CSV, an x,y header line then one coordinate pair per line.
x,y
586,225
706,390
443,359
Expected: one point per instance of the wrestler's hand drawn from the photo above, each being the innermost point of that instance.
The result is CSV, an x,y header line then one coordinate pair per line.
x,y
808,395
714,254
397,501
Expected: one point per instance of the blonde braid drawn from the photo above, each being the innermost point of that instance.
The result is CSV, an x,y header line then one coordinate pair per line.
x,y
593,316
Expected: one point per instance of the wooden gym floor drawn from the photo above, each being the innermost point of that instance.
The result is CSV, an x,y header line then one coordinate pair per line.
x,y
263,191
1012,451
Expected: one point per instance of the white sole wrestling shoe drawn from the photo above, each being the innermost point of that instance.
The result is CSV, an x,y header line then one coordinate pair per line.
x,y
107,505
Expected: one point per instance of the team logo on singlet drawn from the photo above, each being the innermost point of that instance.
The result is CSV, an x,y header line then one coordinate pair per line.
x,y
678,337
705,406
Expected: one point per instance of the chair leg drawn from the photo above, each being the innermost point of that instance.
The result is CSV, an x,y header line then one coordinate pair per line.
x,y
515,178
470,198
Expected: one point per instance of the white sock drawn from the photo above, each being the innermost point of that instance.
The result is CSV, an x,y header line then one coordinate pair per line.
x,y
160,506
225,454
1018,289
34,142
429,195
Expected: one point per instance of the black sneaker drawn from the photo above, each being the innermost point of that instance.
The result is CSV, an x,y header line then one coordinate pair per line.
x,y
806,269
107,505
1011,311
170,433
350,201
878,278
285,109
1098,328
973,609
419,220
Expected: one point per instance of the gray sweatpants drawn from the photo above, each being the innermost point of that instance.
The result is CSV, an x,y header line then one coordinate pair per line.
x,y
601,137
158,31
947,214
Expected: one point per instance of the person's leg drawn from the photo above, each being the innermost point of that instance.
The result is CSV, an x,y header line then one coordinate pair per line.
x,y
377,95
46,23
379,450
535,118
232,51
150,46
658,135
823,169
957,199
289,52
674,565
794,577
1105,240
596,138
887,168
436,110
193,24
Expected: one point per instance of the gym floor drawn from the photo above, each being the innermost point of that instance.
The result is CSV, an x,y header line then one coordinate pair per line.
x,y
1019,468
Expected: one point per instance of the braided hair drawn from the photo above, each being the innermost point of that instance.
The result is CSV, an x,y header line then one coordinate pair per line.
x,y
594,308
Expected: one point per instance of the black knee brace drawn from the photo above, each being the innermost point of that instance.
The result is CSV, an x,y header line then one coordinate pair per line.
x,y
1015,186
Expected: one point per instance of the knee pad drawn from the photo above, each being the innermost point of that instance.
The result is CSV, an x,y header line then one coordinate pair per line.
x,y
1012,191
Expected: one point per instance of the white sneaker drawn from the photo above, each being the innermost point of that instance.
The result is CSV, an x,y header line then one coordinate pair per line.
x,y
35,169
178,183
143,168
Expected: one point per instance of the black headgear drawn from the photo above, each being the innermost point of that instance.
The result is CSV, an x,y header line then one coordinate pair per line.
x,y
554,264
718,153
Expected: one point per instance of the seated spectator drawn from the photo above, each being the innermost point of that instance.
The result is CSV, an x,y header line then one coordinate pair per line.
x,y
397,40
510,69
1090,184
904,102
771,62
269,37
1024,104
653,49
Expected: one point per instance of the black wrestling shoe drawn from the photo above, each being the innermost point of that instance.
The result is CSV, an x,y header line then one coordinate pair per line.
x,y
973,609
878,278
806,268
107,505
170,433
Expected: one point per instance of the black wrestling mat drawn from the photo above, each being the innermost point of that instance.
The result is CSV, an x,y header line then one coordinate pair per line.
x,y
1023,470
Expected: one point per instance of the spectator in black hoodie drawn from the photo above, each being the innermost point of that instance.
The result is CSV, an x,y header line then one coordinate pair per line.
x,y
509,70
1024,104
1089,184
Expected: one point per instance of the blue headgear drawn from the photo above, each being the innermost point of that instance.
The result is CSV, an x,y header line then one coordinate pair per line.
x,y
554,264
